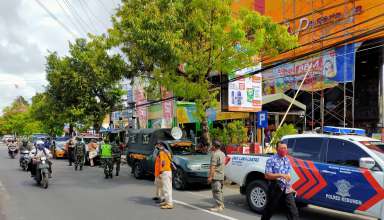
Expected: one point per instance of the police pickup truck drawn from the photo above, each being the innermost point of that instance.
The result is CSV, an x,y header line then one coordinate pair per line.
x,y
340,172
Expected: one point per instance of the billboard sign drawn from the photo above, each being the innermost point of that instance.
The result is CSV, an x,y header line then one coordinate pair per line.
x,y
245,95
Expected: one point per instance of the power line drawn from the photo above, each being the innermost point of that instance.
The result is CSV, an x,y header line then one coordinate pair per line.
x,y
87,15
78,18
359,51
96,17
104,6
351,39
70,18
306,55
55,18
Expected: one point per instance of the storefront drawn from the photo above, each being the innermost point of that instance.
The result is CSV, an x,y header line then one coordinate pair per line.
x,y
342,43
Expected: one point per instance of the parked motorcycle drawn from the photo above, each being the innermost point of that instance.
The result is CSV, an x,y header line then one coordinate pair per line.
x,y
24,159
42,172
12,151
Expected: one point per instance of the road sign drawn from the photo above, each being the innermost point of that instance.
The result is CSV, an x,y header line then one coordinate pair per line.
x,y
262,119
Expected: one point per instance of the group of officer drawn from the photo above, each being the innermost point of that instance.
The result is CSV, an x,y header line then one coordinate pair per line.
x,y
109,152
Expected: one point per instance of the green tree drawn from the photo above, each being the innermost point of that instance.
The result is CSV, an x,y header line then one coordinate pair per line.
x,y
17,119
180,43
44,110
84,84
286,129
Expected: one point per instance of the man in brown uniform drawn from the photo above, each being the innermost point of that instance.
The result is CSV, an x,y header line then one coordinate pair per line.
x,y
216,176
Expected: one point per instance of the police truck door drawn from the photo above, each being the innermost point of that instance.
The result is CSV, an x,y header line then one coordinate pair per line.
x,y
349,187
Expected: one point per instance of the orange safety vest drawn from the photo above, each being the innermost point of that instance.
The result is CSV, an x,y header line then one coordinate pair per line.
x,y
157,166
165,161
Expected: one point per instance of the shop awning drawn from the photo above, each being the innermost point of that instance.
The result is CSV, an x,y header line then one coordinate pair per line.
x,y
280,102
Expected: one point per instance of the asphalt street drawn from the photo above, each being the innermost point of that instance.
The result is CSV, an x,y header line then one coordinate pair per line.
x,y
75,195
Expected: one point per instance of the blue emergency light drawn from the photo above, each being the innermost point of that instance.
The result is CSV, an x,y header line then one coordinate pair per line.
x,y
341,130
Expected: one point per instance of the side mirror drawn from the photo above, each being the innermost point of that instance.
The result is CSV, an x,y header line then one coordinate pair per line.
x,y
367,162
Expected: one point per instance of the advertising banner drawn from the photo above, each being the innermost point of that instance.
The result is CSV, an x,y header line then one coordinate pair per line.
x,y
245,95
328,69
141,111
167,109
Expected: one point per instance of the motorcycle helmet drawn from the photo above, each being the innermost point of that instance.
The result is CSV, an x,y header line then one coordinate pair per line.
x,y
40,145
24,142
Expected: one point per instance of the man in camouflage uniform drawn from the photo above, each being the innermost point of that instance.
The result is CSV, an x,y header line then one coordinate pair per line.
x,y
106,158
79,152
116,157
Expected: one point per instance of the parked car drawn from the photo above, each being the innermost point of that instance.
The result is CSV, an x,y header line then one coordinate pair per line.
x,y
192,167
340,172
59,147
38,136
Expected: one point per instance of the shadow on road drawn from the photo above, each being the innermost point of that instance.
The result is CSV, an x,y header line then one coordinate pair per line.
x,y
142,201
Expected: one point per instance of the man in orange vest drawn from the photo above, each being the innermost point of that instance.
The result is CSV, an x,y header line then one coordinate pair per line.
x,y
159,196
166,177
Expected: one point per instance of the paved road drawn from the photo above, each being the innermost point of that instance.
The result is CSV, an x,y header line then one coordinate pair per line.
x,y
87,195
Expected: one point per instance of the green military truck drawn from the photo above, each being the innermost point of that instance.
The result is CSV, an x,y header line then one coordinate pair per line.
x,y
192,166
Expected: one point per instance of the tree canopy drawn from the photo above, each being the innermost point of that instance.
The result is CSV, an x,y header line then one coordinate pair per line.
x,y
181,43
84,85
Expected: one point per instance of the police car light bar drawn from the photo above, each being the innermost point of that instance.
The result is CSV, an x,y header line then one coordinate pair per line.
x,y
341,130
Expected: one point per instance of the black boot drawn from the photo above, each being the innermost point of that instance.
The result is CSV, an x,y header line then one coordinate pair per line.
x,y
75,167
81,167
117,173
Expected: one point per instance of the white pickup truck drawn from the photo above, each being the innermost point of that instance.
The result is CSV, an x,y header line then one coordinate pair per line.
x,y
340,172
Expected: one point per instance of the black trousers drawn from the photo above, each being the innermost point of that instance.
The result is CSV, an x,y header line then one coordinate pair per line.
x,y
70,156
275,195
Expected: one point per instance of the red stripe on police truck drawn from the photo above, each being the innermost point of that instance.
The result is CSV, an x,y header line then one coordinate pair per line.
x,y
311,180
321,183
376,198
302,179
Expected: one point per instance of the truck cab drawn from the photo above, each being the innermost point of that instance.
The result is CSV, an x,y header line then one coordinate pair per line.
x,y
192,166
341,172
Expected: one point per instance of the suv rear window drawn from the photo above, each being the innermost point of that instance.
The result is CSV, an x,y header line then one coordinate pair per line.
x,y
307,148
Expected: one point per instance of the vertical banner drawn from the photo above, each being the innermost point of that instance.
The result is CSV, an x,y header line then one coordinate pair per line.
x,y
141,111
168,110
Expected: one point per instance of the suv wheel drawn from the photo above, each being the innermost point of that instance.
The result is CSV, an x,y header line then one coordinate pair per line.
x,y
137,170
257,195
179,181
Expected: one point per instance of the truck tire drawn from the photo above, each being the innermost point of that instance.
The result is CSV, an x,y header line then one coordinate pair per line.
x,y
137,170
257,195
178,179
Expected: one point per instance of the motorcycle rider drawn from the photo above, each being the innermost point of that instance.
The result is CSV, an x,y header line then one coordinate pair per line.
x,y
25,145
79,152
12,144
35,155
25,149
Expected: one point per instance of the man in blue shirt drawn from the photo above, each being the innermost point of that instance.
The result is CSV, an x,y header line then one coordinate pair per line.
x,y
277,172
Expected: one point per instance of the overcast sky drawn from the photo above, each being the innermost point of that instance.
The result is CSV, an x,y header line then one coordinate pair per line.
x,y
28,32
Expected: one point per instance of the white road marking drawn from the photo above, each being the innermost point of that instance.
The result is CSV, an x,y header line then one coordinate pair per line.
x,y
204,210
210,197
198,194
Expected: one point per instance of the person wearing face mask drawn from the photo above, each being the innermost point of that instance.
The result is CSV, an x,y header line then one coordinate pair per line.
x,y
280,188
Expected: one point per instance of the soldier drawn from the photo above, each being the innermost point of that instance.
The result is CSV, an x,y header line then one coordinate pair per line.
x,y
79,152
116,157
106,158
